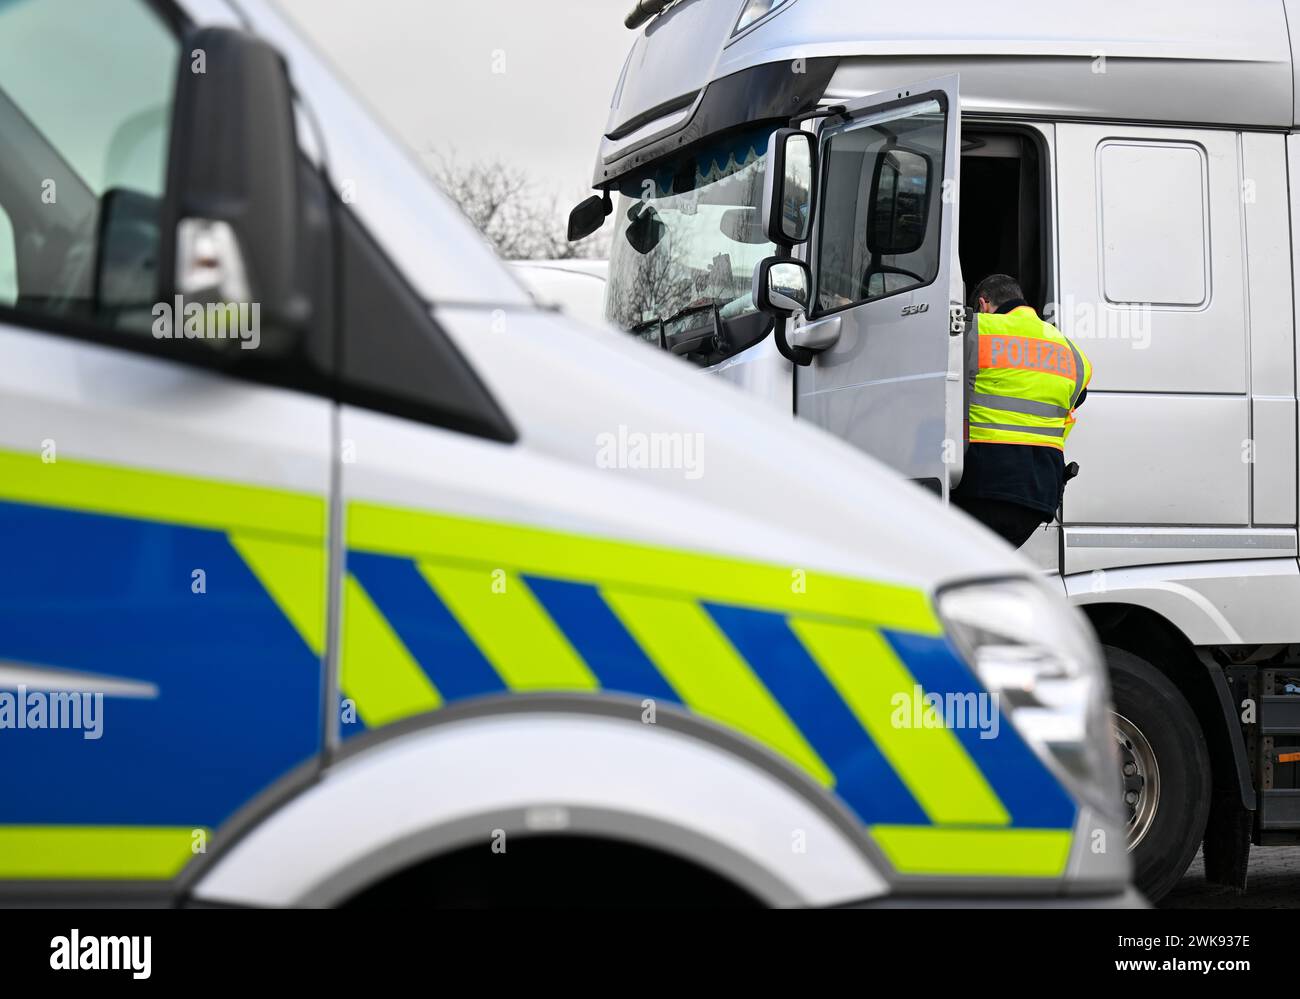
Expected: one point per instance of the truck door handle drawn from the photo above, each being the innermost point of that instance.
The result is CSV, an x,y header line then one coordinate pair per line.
x,y
820,334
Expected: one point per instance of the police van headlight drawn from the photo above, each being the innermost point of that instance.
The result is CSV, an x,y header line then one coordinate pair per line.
x,y
754,9
1039,656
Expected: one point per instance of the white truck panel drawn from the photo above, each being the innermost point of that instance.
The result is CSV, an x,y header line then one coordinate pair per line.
x,y
1273,430
1149,458
1112,547
1144,333
1211,603
1268,264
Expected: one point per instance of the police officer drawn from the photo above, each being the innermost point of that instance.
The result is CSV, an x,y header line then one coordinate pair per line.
x,y
1028,379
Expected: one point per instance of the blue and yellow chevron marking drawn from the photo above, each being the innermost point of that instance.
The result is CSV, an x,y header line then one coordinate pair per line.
x,y
98,578
463,608
438,609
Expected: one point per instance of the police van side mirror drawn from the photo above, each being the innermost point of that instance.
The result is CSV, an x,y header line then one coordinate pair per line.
x,y
782,287
789,178
232,216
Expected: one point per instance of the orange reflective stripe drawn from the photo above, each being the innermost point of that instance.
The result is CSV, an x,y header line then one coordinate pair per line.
x,y
1026,353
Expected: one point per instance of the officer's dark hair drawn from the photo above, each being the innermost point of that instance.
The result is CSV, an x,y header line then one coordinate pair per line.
x,y
998,289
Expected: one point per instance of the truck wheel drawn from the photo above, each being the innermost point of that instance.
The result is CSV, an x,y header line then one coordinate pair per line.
x,y
1165,770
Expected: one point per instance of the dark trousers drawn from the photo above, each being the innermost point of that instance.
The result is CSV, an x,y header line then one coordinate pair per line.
x,y
1010,521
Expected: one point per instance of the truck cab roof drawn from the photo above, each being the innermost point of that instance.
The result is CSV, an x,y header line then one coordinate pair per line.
x,y
1179,63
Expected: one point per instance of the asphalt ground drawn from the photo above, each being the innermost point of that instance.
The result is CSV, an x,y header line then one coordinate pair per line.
x,y
1272,882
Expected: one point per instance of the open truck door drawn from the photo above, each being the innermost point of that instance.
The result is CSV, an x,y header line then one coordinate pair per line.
x,y
879,346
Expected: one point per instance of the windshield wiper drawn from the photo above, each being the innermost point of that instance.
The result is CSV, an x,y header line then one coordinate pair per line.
x,y
686,341
712,303
640,328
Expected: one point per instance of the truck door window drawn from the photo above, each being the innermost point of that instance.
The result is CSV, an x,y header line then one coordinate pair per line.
x,y
85,112
879,229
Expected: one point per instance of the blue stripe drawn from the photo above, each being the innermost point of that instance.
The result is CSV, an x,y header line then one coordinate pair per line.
x,y
863,777
595,631
426,627
239,692
1031,794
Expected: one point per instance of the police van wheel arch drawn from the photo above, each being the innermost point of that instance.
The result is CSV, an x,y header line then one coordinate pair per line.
x,y
1165,767
506,767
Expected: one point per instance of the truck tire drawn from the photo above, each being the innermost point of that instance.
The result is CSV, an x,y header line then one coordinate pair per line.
x,y
1165,770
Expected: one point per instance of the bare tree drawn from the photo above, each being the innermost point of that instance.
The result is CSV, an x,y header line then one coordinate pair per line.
x,y
657,283
502,202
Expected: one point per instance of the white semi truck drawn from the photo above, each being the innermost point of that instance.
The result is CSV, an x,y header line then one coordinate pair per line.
x,y
1134,165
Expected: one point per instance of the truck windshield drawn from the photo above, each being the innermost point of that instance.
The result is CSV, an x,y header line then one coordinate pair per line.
x,y
689,235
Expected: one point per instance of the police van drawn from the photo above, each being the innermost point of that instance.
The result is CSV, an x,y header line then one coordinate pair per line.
x,y
337,572
1131,164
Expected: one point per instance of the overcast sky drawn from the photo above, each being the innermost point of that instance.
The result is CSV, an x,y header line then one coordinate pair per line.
x,y
528,81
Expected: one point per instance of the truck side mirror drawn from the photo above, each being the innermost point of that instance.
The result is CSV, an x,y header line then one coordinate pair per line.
x,y
589,215
789,178
782,286
231,220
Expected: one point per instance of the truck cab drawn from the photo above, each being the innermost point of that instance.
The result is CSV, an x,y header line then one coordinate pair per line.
x,y
1131,167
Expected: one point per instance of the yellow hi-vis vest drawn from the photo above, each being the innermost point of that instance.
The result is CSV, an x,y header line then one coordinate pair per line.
x,y
1029,381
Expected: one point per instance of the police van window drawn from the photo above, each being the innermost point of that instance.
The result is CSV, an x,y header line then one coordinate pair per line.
x,y
880,212
1155,223
85,112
